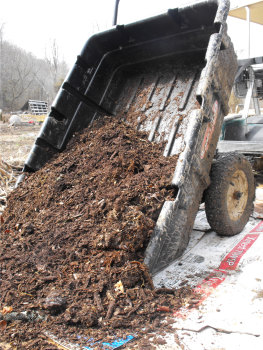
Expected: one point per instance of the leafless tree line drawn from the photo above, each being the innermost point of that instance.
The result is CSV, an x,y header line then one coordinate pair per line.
x,y
24,77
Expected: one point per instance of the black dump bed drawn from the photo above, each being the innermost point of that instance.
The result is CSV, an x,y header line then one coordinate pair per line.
x,y
173,74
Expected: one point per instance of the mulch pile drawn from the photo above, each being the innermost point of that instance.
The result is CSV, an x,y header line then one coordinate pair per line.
x,y
73,238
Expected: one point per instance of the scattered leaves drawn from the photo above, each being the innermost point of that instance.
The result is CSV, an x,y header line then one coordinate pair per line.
x,y
119,287
3,325
7,310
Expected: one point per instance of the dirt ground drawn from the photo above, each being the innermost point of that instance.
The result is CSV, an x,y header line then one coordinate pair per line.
x,y
15,144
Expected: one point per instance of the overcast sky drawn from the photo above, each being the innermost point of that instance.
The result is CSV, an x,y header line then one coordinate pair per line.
x,y
33,24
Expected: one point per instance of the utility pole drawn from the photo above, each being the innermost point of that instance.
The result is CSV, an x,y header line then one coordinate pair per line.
x,y
248,29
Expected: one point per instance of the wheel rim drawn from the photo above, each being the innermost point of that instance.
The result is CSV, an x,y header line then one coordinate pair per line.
x,y
237,195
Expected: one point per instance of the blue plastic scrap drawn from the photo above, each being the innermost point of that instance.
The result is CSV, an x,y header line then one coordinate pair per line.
x,y
117,343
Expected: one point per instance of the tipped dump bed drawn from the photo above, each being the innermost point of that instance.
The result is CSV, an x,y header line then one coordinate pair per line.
x,y
169,75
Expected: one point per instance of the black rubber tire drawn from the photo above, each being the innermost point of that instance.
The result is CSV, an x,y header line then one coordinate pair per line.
x,y
230,196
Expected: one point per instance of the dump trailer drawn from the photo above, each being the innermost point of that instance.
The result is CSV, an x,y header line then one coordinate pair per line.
x,y
174,74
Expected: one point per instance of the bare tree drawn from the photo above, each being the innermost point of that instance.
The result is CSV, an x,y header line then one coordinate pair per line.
x,y
57,66
53,59
18,74
1,64
24,77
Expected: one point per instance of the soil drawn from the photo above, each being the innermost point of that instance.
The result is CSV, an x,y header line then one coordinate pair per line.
x,y
15,144
73,238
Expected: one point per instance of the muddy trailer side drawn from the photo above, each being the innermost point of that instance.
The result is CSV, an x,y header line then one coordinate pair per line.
x,y
170,75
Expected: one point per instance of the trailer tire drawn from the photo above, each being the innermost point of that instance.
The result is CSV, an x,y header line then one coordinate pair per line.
x,y
229,198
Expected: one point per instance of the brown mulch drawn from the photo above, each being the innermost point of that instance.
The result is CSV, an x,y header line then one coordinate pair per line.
x,y
73,238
